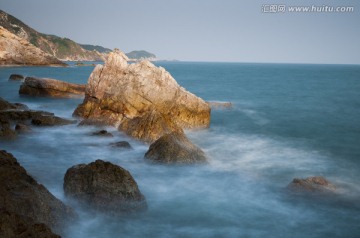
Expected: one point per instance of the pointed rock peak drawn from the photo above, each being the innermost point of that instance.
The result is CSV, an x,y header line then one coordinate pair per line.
x,y
117,58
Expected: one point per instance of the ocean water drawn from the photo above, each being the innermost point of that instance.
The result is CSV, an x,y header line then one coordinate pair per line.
x,y
287,121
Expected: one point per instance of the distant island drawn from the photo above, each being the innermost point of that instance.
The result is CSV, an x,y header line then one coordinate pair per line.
x,y
63,49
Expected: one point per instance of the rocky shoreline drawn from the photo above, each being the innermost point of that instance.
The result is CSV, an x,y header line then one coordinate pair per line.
x,y
139,99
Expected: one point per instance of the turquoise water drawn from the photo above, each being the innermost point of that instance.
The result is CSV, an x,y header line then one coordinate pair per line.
x,y
288,120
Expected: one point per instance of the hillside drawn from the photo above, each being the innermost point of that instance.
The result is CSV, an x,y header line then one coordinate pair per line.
x,y
17,51
61,48
96,47
140,54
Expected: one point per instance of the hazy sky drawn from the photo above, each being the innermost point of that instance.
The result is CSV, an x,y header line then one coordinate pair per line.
x,y
202,30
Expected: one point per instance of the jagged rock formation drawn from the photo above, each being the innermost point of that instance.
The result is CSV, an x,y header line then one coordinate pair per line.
x,y
105,187
23,196
17,51
61,48
175,147
311,184
13,113
50,87
140,99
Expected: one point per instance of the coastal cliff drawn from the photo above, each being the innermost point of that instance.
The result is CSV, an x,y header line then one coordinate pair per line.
x,y
17,51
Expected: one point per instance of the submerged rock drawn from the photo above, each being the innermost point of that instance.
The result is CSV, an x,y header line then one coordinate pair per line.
x,y
103,133
140,99
16,77
13,225
22,195
311,184
220,105
105,187
175,147
50,87
22,128
16,113
121,145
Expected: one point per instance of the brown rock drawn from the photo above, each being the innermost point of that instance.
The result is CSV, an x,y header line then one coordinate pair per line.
x,y
50,87
129,95
311,184
16,77
105,187
22,195
22,128
17,51
13,225
175,147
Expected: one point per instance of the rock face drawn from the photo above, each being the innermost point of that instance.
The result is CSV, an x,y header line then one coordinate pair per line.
x,y
175,147
141,99
22,195
17,51
13,113
311,184
105,187
50,87
13,225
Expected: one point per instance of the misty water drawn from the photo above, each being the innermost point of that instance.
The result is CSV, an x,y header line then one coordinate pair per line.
x,y
287,121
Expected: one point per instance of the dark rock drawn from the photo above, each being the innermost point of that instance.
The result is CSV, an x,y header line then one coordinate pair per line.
x,y
13,225
22,128
5,130
22,195
175,147
311,184
121,145
16,77
50,120
50,87
105,187
103,133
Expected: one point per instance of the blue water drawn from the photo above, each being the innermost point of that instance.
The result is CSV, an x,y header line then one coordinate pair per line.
x,y
287,121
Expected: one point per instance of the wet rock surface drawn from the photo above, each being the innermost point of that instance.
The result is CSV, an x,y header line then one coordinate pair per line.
x,y
16,77
311,184
124,145
104,187
23,196
175,147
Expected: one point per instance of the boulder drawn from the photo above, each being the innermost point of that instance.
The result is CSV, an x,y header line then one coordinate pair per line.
x,y
16,77
13,225
121,145
50,87
140,99
311,184
103,133
175,147
104,187
22,128
22,195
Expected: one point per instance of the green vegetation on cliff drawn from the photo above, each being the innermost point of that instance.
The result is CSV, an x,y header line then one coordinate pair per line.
x,y
140,54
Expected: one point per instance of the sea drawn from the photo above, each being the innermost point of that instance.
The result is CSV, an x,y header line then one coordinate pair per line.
x,y
287,121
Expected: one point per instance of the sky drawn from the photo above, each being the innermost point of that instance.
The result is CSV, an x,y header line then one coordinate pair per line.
x,y
203,30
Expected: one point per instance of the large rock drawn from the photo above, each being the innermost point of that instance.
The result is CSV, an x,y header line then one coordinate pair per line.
x,y
22,195
105,187
17,51
141,99
311,184
50,87
175,147
13,225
